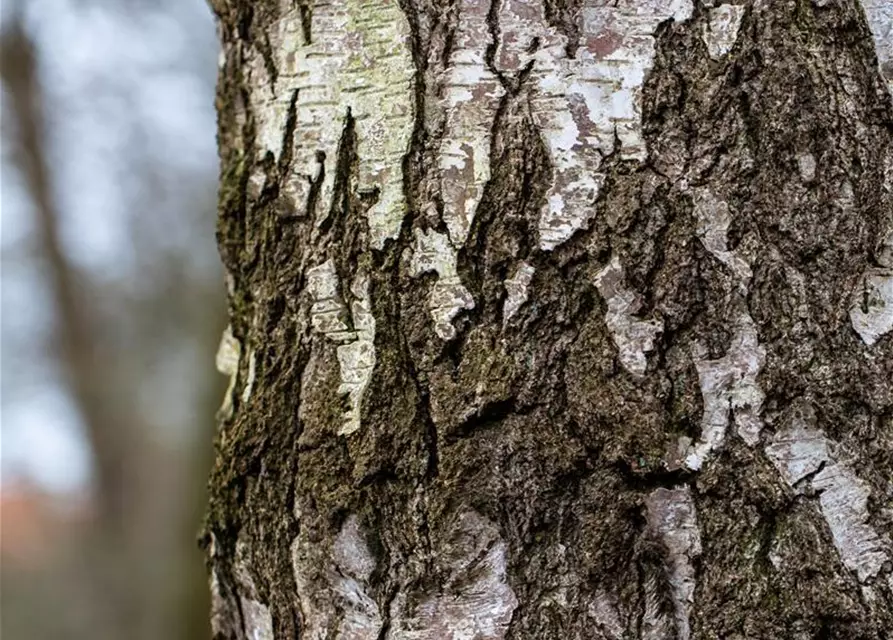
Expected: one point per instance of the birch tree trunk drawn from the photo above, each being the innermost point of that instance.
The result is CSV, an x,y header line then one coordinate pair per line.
x,y
555,319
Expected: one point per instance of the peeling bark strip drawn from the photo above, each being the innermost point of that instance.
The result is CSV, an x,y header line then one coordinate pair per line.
x,y
555,319
355,331
804,456
471,97
872,310
432,252
672,517
633,337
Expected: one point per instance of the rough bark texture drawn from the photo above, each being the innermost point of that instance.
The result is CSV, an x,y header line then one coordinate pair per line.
x,y
560,319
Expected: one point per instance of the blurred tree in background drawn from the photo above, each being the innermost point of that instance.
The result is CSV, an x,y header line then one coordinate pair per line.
x,y
112,307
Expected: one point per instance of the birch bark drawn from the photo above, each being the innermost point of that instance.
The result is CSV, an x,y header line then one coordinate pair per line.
x,y
555,319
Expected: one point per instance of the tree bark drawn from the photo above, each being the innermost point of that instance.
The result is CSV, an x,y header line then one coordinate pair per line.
x,y
555,319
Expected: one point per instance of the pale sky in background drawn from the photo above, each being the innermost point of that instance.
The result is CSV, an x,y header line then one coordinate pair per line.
x,y
106,67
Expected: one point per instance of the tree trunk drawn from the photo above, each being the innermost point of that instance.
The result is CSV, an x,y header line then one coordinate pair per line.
x,y
555,319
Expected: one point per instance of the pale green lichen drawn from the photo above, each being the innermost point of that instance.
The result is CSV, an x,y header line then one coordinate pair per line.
x,y
358,62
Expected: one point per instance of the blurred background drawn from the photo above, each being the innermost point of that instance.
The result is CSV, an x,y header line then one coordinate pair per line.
x,y
111,306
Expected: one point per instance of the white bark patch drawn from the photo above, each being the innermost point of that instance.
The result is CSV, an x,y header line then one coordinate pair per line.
x,y
800,451
219,606
433,252
729,384
357,358
632,336
359,60
470,99
582,103
844,502
880,21
476,601
327,313
671,516
871,313
252,374
604,610
516,291
220,609
714,220
354,329
656,623
797,453
721,29
336,603
351,552
806,165
227,362
256,618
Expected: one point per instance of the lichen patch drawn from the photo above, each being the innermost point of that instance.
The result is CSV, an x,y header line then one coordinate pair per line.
x,y
357,62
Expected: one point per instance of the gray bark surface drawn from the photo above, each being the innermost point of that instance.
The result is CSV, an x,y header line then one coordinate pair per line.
x,y
673,421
